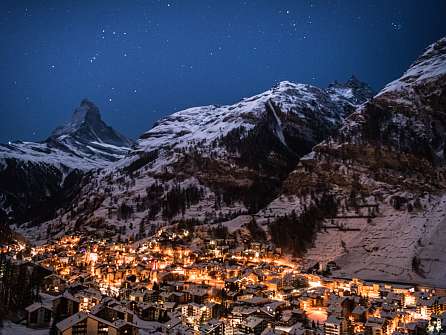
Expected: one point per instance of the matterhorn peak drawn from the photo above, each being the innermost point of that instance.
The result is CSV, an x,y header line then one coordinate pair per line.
x,y
354,81
86,112
86,125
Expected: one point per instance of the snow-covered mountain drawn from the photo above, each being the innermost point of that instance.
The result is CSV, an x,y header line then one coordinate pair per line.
x,y
84,143
304,102
386,169
210,163
37,177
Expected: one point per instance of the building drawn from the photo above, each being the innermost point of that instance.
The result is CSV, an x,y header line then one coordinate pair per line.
x,y
82,323
38,315
252,325
376,326
335,326
151,312
53,284
88,298
75,324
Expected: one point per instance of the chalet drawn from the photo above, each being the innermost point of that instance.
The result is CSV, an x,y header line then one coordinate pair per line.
x,y
151,312
252,325
137,296
212,327
65,305
198,295
359,314
75,324
53,284
112,312
82,323
232,284
88,298
335,326
376,326
38,315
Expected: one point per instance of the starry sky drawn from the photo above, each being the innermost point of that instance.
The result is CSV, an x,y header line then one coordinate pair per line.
x,y
141,60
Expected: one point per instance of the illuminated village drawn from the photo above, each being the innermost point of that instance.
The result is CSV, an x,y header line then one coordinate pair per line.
x,y
164,286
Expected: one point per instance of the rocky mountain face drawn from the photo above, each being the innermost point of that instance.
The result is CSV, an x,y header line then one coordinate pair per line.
x,y
385,170
37,178
209,163
88,136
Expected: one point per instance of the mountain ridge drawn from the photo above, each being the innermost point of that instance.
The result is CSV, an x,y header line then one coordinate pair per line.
x,y
385,167
208,162
36,178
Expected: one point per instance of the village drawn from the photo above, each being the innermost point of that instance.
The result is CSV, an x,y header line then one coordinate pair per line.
x,y
162,285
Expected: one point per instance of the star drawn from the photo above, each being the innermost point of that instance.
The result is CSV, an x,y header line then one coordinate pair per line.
x,y
110,99
396,26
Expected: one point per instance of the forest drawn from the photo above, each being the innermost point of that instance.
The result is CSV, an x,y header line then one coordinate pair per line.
x,y
295,232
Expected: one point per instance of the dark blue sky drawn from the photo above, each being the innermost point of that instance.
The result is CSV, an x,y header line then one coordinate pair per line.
x,y
141,60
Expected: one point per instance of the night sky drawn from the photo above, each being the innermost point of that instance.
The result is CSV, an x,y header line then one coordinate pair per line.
x,y
141,60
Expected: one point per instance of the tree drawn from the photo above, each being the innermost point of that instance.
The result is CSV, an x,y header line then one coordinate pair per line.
x,y
296,232
255,230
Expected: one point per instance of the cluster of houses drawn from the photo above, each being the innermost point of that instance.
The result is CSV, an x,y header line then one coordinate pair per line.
x,y
159,287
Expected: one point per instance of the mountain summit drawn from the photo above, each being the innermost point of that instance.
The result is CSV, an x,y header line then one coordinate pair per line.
x,y
86,126
84,143
38,177
353,89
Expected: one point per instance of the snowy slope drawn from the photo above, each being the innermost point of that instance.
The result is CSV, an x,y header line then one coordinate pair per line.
x,y
386,169
210,163
36,152
84,143
38,177
207,123
426,68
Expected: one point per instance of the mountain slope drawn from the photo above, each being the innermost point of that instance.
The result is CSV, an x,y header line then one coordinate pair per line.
x,y
386,169
88,136
210,163
38,178
84,143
